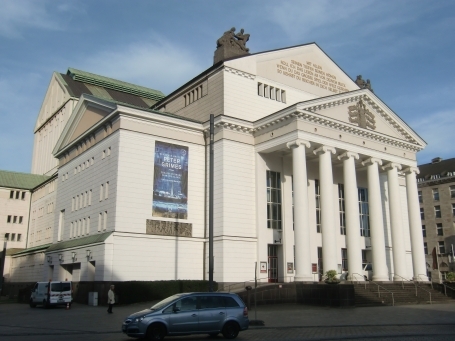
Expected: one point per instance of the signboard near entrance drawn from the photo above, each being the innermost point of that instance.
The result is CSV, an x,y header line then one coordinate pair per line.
x,y
314,268
170,183
263,267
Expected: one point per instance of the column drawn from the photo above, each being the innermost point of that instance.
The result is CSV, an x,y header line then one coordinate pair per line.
x,y
301,225
328,228
415,225
351,206
376,220
396,222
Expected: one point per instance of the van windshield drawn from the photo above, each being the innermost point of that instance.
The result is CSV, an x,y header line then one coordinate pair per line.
x,y
59,287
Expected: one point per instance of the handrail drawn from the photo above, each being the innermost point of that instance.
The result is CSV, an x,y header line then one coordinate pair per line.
x,y
379,286
445,288
413,282
361,276
431,282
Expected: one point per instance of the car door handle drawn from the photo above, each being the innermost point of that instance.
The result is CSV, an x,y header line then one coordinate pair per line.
x,y
194,315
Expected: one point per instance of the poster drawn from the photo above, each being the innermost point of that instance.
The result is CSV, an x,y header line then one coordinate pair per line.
x,y
170,183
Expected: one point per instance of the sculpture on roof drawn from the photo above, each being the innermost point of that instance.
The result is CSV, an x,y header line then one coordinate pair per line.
x,y
362,84
231,44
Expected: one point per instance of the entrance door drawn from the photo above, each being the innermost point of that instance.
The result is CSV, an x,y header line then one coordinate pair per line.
x,y
273,264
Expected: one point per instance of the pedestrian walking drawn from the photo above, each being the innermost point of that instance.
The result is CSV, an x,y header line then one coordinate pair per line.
x,y
110,299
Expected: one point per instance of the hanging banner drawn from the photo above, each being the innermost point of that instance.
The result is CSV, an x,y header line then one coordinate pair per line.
x,y
170,183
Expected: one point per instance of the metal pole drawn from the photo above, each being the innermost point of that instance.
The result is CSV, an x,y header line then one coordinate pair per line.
x,y
255,290
211,204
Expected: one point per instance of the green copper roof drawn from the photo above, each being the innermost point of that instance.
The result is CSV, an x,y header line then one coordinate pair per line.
x,y
109,83
96,238
31,249
21,180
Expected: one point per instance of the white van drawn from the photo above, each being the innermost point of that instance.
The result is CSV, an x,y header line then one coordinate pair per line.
x,y
51,293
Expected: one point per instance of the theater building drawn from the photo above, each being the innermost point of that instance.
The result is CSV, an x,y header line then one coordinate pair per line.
x,y
313,172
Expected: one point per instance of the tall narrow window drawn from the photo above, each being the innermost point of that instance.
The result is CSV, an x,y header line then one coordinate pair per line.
x,y
273,200
439,229
90,198
105,221
452,191
425,248
441,247
424,231
320,264
266,91
15,219
317,193
342,209
420,197
283,96
61,223
11,194
79,228
272,92
106,190
101,192
422,213
17,194
364,258
100,221
278,95
20,219
83,226
437,211
435,194
88,225
23,196
85,199
453,210
71,230
364,213
8,220
72,205
344,259
19,237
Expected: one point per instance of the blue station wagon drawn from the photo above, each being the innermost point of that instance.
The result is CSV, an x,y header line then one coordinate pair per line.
x,y
190,313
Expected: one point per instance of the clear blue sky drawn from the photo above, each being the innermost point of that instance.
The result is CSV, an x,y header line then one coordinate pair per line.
x,y
406,48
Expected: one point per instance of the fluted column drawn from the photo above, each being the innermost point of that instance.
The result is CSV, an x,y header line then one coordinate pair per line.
x,y
415,225
301,226
376,220
396,222
351,209
328,228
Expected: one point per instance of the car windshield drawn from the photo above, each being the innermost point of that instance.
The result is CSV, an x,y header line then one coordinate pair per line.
x,y
165,302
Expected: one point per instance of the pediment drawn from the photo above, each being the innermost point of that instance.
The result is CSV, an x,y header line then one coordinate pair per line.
x,y
307,68
363,110
89,112
56,96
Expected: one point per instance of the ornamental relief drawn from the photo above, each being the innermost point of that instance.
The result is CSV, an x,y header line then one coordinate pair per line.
x,y
360,115
169,228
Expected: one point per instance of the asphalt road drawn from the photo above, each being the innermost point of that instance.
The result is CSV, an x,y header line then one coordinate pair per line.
x,y
19,322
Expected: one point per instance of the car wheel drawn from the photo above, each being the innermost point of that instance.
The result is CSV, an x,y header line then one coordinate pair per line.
x,y
156,332
32,305
231,330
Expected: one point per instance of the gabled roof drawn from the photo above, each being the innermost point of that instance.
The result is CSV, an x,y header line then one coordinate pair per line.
x,y
21,180
94,239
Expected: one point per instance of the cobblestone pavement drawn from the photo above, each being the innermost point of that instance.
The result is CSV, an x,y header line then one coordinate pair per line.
x,y
282,322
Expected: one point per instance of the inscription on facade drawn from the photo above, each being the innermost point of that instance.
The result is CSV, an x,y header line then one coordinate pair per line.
x,y
310,73
169,228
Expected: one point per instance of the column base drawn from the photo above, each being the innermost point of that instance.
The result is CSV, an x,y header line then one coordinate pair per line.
x,y
380,278
306,278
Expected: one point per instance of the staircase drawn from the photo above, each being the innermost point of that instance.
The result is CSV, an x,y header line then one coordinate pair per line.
x,y
402,294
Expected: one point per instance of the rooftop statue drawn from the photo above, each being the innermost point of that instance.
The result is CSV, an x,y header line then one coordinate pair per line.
x,y
231,44
362,84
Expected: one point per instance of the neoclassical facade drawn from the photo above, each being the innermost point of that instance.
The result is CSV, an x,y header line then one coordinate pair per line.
x,y
312,173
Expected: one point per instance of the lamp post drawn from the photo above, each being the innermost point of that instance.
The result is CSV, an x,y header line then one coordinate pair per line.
x,y
2,266
211,204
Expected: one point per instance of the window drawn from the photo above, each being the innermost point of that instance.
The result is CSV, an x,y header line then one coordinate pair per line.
x,y
103,155
72,204
453,210
273,200
106,193
19,237
437,211
364,258
105,221
11,194
8,220
20,219
6,236
364,213
317,194
77,202
420,197
13,237
422,214
344,259
425,248
90,198
435,194
23,196
342,209
441,247
283,96
266,91
439,229
424,231
320,264
272,92
260,89
100,221
17,194
452,191
92,160
15,219
109,151
88,225
85,199
71,230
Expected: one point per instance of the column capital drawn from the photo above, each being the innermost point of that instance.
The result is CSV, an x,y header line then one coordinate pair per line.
x,y
371,161
348,155
409,170
298,142
324,149
391,165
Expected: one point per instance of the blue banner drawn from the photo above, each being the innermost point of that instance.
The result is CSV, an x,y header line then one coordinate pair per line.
x,y
170,184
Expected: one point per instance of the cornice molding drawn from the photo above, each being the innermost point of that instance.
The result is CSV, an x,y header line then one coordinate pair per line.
x,y
239,73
